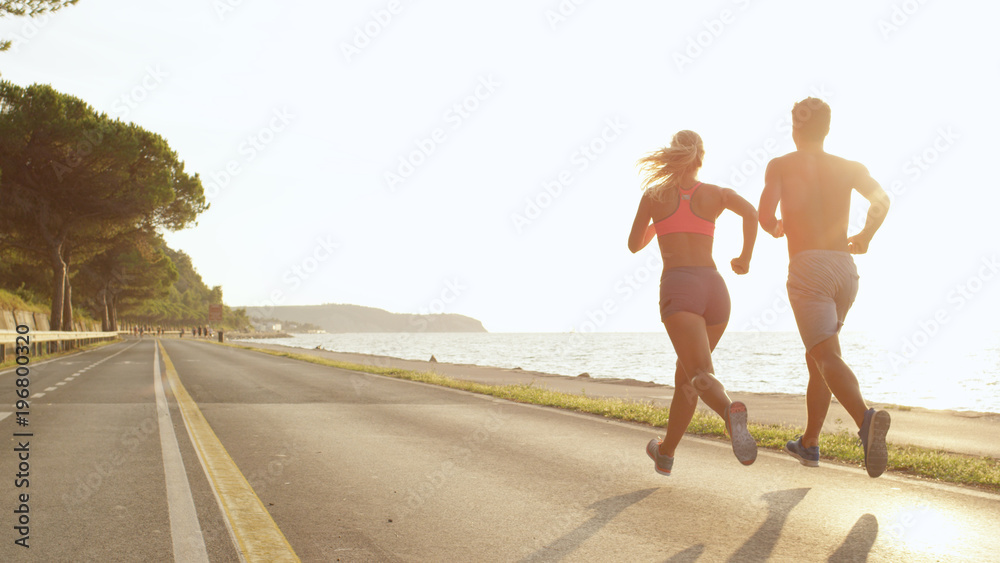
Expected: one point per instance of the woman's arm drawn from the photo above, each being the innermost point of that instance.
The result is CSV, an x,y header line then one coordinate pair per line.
x,y
642,229
735,203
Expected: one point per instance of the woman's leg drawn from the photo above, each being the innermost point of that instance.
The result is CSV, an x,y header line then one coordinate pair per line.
x,y
693,342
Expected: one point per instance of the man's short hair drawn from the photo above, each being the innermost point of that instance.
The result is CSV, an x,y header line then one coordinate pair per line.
x,y
811,118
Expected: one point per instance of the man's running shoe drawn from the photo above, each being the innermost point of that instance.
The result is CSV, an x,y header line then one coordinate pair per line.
x,y
872,434
806,456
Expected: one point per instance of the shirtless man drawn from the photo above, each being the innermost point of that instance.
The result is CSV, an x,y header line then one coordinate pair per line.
x,y
814,190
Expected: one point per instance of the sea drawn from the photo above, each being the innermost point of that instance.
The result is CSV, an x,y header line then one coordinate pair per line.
x,y
962,379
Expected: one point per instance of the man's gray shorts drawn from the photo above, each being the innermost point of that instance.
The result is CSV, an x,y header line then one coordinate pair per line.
x,y
822,285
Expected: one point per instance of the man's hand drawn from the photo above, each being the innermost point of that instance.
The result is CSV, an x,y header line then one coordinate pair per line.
x,y
779,229
858,244
740,265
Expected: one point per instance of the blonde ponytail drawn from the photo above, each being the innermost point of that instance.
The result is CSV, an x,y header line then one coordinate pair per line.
x,y
661,170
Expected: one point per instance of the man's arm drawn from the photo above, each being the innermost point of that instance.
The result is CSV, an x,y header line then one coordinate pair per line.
x,y
735,203
642,230
769,199
877,210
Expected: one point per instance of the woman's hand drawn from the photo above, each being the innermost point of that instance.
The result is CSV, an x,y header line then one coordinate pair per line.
x,y
740,265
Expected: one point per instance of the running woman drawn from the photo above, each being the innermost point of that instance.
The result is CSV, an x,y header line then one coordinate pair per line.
x,y
680,212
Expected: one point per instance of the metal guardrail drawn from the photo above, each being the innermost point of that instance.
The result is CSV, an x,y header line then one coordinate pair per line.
x,y
49,341
10,336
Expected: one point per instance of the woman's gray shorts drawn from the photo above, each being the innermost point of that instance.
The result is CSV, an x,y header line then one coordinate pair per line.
x,y
695,289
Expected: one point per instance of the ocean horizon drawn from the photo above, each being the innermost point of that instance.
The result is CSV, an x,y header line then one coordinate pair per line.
x,y
756,362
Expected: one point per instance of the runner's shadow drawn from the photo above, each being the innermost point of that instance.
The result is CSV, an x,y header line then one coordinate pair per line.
x,y
689,555
859,541
760,545
606,509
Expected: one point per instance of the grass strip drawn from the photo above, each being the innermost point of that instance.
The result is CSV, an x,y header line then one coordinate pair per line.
x,y
975,471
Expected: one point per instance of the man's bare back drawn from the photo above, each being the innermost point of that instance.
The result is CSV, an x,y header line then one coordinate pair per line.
x,y
814,191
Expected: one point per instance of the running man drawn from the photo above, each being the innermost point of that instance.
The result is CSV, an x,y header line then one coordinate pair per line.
x,y
814,190
680,212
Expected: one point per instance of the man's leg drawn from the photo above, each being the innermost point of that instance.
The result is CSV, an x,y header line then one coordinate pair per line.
x,y
839,378
817,404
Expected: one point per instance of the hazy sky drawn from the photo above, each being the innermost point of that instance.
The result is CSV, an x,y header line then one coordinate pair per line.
x,y
480,159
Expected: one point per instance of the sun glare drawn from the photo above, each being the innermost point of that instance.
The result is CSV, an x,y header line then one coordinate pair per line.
x,y
926,530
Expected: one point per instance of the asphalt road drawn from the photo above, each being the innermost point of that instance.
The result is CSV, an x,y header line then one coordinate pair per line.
x,y
355,467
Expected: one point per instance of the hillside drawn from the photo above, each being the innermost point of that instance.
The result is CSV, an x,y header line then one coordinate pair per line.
x,y
184,302
355,318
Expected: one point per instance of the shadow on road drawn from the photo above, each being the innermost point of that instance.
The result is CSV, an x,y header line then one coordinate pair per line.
x,y
759,547
761,544
689,555
859,541
607,510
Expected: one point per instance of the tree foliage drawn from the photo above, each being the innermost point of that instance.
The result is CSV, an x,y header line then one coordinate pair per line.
x,y
76,184
30,8
185,303
133,269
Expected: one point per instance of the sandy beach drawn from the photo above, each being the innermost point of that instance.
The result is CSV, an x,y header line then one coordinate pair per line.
x,y
963,432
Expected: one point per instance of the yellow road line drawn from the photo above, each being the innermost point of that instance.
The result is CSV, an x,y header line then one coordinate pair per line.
x,y
256,534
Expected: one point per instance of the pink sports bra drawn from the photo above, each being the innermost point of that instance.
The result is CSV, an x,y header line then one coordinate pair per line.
x,y
683,219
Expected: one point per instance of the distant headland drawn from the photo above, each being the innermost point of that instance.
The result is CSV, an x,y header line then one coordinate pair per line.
x,y
356,318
